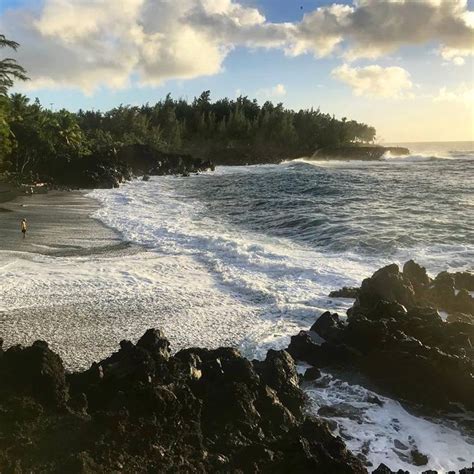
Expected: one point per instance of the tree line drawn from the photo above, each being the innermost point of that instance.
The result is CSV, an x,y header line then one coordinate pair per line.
x,y
33,138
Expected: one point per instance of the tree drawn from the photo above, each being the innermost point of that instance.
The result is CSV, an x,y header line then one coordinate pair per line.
x,y
39,143
6,142
10,70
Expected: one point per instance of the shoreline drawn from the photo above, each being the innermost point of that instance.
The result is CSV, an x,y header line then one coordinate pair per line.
x,y
59,224
102,289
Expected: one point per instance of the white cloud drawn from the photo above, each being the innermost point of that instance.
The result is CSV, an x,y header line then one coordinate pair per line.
x,y
274,92
463,93
455,55
375,81
92,43
373,28
458,61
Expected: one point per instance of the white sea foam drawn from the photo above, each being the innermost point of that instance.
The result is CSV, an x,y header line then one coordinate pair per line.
x,y
389,157
386,431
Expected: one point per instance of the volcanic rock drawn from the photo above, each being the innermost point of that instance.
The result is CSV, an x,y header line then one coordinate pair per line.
x,y
144,410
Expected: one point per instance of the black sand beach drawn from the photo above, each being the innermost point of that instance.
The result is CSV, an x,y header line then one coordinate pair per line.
x,y
59,223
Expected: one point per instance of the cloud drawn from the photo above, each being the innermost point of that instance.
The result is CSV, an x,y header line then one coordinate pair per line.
x,y
375,81
373,28
458,61
92,43
463,93
274,92
455,55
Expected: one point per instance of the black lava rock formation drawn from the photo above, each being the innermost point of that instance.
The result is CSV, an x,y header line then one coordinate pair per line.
x,y
394,335
144,410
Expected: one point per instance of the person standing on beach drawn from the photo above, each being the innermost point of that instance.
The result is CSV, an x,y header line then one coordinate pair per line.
x,y
23,227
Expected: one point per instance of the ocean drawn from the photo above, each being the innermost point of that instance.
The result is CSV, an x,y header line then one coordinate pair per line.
x,y
246,256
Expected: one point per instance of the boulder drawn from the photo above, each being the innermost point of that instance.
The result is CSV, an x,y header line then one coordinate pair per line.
x,y
417,276
345,292
303,347
442,291
464,280
312,373
328,326
278,371
37,371
386,284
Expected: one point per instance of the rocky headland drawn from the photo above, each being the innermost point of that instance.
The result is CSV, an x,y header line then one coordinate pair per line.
x,y
131,161
106,171
395,335
358,152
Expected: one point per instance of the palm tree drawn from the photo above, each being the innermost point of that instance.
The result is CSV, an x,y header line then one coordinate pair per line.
x,y
9,68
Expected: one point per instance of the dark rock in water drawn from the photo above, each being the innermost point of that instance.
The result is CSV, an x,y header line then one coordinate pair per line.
x,y
464,302
328,326
449,294
412,288
117,166
383,469
345,292
418,459
144,410
312,373
303,347
143,159
396,336
375,400
386,284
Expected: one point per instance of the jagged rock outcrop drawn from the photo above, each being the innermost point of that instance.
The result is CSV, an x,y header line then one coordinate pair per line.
x,y
395,335
144,160
110,169
144,410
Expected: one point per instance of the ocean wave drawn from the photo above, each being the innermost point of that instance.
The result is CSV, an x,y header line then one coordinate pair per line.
x,y
421,157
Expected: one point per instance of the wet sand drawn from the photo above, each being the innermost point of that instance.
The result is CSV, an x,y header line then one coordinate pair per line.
x,y
59,224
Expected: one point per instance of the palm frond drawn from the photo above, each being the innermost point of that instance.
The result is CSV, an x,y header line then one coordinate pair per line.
x,y
6,43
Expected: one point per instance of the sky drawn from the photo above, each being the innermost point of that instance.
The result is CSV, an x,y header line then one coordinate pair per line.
x,y
403,66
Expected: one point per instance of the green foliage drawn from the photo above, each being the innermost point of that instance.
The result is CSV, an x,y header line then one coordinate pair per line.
x,y
6,141
38,142
42,140
10,70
